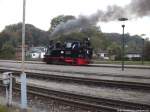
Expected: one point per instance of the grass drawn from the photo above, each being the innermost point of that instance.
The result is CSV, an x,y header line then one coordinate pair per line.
x,y
8,109
3,109
13,109
96,61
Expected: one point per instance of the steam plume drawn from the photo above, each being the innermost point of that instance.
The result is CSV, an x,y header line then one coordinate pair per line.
x,y
136,9
82,22
139,8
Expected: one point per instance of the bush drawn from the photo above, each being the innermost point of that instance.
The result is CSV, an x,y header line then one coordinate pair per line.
x,y
126,59
136,59
7,51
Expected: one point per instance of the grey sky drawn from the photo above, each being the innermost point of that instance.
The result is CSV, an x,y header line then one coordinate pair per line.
x,y
40,13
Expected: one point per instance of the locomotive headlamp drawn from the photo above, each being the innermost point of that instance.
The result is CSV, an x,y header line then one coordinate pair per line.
x,y
62,52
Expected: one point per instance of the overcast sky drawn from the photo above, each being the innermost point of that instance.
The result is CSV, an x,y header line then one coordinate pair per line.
x,y
40,12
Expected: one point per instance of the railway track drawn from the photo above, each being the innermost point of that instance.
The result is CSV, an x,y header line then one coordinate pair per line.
x,y
87,81
84,101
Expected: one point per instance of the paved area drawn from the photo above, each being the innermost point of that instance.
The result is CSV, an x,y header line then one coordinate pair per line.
x,y
128,71
87,69
98,65
119,66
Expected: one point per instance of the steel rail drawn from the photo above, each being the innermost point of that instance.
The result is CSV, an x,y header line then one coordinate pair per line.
x,y
87,81
76,72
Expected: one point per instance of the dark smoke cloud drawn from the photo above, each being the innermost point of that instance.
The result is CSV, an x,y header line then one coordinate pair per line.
x,y
136,9
82,22
112,13
139,8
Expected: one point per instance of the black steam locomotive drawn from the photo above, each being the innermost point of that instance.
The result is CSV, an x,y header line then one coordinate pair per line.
x,y
71,52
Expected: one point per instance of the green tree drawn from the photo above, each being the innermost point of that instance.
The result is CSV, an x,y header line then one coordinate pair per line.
x,y
34,36
59,19
98,41
7,51
114,51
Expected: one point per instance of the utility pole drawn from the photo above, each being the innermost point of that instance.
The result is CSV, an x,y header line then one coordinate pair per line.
x,y
23,74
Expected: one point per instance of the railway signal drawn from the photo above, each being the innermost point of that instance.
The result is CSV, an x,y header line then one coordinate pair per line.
x,y
7,82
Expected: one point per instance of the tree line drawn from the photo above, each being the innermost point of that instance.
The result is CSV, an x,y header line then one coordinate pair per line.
x,y
10,38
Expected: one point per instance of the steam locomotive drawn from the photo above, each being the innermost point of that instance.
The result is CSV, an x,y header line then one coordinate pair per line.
x,y
71,52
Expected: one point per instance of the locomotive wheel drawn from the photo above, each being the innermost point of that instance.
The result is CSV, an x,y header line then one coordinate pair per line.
x,y
74,62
